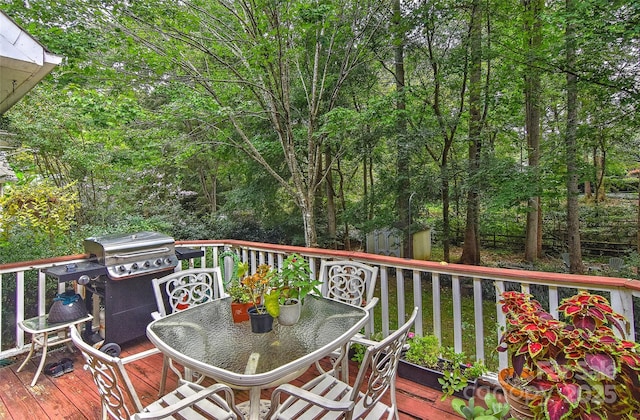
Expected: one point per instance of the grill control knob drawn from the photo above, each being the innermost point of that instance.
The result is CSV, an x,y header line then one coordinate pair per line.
x,y
147,264
158,262
134,266
167,261
122,268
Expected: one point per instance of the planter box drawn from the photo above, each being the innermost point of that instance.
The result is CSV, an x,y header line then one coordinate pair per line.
x,y
429,377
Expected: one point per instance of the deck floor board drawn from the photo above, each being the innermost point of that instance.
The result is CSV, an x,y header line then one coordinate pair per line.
x,y
74,396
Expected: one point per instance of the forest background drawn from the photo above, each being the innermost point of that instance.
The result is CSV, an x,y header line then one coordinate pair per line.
x,y
316,122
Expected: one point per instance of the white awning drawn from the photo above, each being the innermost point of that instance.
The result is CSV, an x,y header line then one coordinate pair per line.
x,y
23,62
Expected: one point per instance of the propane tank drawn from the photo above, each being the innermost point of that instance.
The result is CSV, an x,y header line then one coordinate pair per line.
x,y
101,318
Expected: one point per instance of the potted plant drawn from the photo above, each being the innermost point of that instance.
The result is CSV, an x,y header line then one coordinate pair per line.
x,y
428,363
257,285
574,368
240,297
289,287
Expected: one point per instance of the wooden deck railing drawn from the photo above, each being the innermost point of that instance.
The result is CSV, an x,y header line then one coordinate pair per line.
x,y
457,302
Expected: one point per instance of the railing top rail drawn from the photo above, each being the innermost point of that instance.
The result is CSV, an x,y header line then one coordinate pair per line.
x,y
506,274
41,263
515,275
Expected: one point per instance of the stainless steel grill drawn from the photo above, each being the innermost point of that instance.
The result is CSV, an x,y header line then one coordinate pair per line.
x,y
132,255
120,271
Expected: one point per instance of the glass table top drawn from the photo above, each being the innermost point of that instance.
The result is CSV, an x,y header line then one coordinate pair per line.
x,y
205,338
41,324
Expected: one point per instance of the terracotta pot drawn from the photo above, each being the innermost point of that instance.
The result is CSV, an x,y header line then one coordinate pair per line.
x,y
517,398
239,311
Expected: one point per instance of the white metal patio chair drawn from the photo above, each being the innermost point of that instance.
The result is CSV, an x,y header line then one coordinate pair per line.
x,y
350,282
120,400
179,291
327,397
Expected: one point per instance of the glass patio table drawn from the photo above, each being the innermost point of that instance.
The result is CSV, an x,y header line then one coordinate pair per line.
x,y
205,339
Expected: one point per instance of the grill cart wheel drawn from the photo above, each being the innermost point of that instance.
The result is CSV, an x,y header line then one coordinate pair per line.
x,y
112,349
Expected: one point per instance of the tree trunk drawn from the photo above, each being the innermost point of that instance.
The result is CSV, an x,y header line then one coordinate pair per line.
x,y
331,205
573,219
600,162
343,201
532,90
309,220
402,158
471,247
446,224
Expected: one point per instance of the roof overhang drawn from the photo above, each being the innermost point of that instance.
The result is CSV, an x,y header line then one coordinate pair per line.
x,y
23,62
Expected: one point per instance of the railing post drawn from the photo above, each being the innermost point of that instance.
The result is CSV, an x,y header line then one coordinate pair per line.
x,y
503,360
457,313
401,294
622,303
19,308
384,300
437,308
417,299
478,311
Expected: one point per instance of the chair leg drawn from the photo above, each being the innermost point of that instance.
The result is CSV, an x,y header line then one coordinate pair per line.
x,y
165,371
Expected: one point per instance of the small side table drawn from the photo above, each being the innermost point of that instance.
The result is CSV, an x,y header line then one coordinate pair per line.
x,y
40,329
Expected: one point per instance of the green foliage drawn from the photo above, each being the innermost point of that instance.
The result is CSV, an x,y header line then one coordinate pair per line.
x,y
292,281
45,209
451,381
358,349
424,350
495,410
148,139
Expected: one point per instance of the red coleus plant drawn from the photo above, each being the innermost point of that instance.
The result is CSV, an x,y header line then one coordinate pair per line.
x,y
577,367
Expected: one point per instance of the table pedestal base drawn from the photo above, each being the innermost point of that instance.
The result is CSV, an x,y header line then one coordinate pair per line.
x,y
245,409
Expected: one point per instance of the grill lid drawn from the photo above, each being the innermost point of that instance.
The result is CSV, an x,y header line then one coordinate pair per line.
x,y
127,255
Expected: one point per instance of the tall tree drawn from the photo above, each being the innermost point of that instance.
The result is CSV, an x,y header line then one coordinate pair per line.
x,y
439,92
471,247
573,216
403,188
532,92
279,63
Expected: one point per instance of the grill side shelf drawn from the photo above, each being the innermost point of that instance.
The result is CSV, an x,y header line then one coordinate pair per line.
x,y
70,272
186,253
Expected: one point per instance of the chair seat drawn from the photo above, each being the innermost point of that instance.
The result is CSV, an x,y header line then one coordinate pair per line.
x,y
203,409
328,391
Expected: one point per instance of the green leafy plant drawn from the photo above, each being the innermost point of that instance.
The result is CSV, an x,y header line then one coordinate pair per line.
x,y
238,292
452,381
293,281
423,350
42,207
495,410
426,351
257,285
359,349
577,367
475,370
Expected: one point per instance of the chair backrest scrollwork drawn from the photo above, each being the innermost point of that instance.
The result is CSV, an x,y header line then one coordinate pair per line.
x,y
118,397
348,281
183,289
380,366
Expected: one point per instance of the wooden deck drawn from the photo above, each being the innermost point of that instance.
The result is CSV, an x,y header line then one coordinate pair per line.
x,y
74,395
